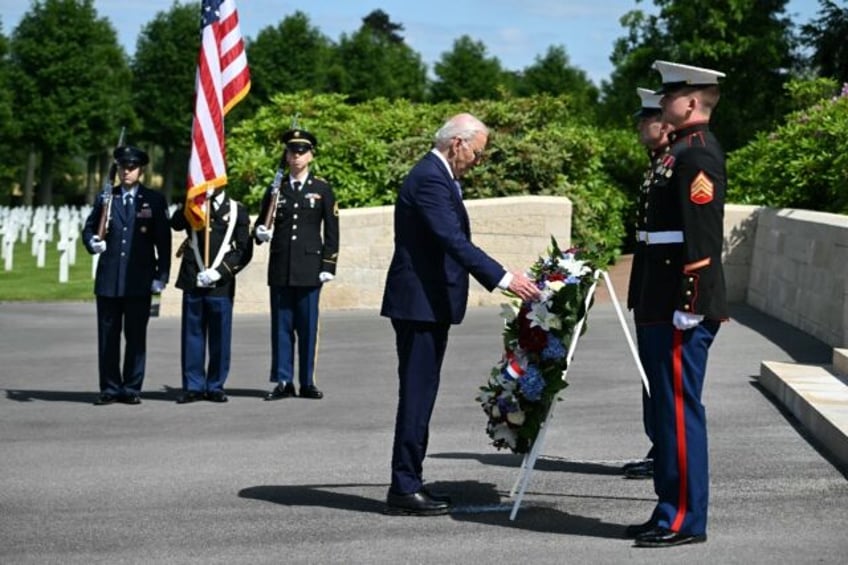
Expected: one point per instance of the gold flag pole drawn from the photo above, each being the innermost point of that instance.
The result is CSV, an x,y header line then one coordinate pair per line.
x,y
208,205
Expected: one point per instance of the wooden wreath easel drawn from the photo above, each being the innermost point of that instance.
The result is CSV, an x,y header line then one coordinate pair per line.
x,y
530,458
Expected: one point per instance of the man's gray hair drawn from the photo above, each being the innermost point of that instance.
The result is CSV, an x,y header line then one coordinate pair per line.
x,y
463,126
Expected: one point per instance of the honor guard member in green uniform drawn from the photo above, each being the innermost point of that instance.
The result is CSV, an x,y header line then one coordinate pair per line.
x,y
300,217
653,134
135,258
208,292
681,302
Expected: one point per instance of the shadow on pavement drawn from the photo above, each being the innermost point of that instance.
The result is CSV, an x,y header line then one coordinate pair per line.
x,y
168,394
800,346
543,463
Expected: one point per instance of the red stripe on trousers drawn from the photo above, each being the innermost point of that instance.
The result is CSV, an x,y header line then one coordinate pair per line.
x,y
680,425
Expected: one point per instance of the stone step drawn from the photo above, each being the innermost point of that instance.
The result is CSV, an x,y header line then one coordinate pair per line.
x,y
840,361
816,397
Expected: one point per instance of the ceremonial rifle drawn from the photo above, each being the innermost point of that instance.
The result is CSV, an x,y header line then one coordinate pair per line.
x,y
268,221
106,210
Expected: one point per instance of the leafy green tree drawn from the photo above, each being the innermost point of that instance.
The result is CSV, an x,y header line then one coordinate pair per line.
x,y
554,74
466,73
750,40
164,70
9,131
800,164
828,37
72,83
375,62
291,57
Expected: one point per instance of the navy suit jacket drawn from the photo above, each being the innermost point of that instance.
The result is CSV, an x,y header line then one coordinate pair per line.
x,y
433,256
138,248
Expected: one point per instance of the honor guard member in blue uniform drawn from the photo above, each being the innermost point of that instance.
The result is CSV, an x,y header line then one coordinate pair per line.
x,y
135,258
427,291
681,302
300,218
208,293
653,134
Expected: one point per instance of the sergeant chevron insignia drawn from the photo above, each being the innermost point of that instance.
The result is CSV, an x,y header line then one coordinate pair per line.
x,y
701,190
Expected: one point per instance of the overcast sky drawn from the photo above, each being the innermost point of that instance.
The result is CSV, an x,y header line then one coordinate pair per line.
x,y
514,31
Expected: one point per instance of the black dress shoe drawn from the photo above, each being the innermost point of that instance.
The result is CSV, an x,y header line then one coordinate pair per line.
x,y
642,470
189,397
438,497
635,530
415,504
663,537
311,392
216,396
131,399
281,391
105,399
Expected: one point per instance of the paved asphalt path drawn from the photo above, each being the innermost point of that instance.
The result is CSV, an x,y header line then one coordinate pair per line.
x,y
303,481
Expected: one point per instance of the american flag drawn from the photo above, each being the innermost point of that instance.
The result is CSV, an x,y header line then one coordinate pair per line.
x,y
223,79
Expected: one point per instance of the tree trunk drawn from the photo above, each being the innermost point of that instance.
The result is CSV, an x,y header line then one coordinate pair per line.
x,y
45,185
90,175
29,177
168,173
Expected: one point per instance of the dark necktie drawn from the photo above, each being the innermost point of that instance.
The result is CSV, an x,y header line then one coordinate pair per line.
x,y
296,186
128,204
458,188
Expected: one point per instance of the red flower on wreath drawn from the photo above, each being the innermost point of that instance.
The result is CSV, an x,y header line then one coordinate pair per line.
x,y
533,339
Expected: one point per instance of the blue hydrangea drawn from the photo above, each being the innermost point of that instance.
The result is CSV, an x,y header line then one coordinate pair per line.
x,y
554,350
532,384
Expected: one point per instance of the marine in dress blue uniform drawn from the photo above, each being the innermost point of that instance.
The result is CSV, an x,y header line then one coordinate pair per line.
x,y
304,236
134,262
208,293
426,291
653,134
681,302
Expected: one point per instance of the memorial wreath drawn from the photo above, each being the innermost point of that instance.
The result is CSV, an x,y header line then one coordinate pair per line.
x,y
537,336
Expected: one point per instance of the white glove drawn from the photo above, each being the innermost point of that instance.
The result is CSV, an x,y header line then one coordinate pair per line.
x,y
685,321
157,286
263,234
97,245
324,276
208,277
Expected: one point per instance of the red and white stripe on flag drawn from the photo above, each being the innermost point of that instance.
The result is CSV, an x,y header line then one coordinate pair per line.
x,y
223,79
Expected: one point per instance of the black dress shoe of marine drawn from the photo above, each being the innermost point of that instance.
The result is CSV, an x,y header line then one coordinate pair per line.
x,y
281,391
105,399
189,397
438,497
641,470
216,396
131,399
415,504
663,537
634,530
311,391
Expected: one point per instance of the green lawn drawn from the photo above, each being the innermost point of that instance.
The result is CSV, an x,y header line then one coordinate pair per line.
x,y
26,282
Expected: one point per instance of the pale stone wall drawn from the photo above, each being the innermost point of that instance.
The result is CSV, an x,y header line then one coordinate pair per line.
x,y
740,225
513,230
799,269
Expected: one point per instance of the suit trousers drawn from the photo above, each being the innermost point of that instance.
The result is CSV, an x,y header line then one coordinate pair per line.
x,y
129,314
421,350
676,363
206,320
294,317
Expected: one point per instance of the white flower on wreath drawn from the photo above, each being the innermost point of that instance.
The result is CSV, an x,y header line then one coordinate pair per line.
x,y
541,317
515,418
572,266
504,432
555,286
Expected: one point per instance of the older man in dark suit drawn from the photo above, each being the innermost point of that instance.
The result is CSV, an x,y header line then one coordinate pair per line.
x,y
135,259
427,291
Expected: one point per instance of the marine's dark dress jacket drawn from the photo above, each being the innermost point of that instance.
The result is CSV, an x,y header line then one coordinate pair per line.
x,y
687,195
